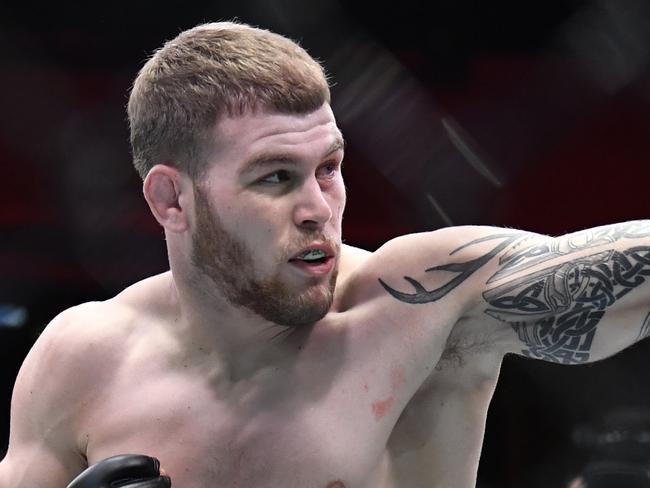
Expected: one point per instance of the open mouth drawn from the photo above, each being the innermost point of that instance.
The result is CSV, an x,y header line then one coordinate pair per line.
x,y
312,256
314,261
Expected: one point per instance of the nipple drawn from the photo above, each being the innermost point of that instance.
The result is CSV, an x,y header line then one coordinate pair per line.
x,y
335,484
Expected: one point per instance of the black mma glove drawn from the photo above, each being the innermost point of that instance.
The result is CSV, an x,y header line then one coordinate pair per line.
x,y
128,471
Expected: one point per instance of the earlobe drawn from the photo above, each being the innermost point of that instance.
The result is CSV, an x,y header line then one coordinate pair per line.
x,y
162,189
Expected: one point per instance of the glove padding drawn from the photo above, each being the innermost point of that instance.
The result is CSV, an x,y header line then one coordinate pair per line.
x,y
127,470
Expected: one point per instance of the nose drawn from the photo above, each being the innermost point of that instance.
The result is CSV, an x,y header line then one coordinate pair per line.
x,y
312,210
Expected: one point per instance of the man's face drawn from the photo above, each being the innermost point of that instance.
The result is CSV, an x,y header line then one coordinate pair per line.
x,y
268,214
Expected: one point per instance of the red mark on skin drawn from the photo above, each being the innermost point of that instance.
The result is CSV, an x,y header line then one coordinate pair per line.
x,y
365,386
381,408
397,380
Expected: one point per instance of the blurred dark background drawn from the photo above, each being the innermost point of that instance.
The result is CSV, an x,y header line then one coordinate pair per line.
x,y
527,114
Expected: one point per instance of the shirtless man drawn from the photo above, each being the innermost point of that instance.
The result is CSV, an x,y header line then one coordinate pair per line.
x,y
272,355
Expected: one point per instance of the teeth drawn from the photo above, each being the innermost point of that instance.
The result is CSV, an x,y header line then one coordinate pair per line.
x,y
312,254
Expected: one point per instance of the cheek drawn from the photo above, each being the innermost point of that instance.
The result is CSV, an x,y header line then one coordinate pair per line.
x,y
246,228
261,227
257,230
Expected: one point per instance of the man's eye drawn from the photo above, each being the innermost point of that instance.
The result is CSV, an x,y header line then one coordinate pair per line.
x,y
281,176
328,170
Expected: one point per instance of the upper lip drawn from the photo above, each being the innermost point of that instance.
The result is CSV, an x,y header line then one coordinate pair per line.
x,y
326,248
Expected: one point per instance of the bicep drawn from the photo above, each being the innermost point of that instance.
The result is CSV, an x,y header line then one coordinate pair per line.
x,y
42,448
572,299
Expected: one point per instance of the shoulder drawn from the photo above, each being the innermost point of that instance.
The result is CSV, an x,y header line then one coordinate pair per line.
x,y
450,241
444,245
72,328
351,259
86,342
93,329
74,344
59,375
68,372
429,266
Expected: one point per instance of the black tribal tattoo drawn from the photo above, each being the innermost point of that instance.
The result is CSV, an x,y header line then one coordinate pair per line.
x,y
554,310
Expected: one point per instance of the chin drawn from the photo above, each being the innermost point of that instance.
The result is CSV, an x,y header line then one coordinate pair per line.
x,y
300,309
309,307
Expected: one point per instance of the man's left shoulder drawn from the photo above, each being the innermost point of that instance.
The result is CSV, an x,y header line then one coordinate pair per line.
x,y
448,264
351,258
362,272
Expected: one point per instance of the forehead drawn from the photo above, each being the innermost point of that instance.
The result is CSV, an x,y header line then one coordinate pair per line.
x,y
237,139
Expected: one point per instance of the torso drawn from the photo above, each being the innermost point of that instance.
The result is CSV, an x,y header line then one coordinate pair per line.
x,y
367,403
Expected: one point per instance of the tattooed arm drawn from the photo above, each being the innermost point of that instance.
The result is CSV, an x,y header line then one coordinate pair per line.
x,y
570,299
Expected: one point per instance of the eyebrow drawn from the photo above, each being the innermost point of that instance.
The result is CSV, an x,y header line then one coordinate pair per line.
x,y
270,158
339,143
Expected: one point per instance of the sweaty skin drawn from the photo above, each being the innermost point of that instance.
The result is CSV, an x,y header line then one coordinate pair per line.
x,y
388,389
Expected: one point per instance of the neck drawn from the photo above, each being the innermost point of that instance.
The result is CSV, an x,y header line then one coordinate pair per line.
x,y
209,327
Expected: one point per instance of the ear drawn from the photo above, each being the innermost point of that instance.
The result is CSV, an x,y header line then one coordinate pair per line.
x,y
168,193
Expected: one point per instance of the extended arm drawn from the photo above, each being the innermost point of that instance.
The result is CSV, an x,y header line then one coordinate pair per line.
x,y
570,299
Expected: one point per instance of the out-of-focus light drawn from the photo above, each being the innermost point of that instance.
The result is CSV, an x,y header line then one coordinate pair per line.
x,y
12,316
611,40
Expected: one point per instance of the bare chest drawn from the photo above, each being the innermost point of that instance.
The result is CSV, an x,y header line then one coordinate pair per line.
x,y
253,437
325,421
